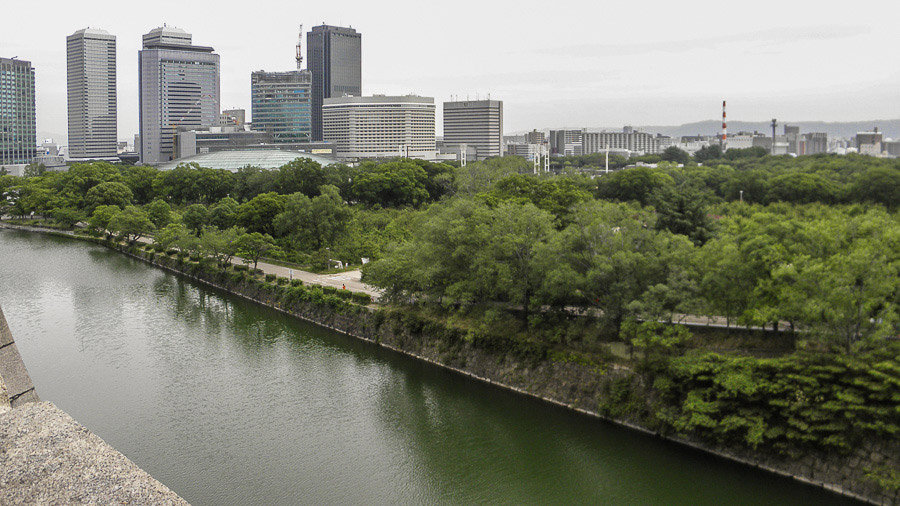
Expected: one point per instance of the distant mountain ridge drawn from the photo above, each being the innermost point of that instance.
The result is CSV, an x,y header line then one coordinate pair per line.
x,y
846,129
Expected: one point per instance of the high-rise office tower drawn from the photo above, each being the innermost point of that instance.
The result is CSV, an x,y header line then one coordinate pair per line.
x,y
334,56
18,136
179,89
91,71
281,105
475,123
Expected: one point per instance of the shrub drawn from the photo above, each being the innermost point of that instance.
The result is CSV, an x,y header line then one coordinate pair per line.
x,y
270,278
171,252
296,282
330,290
257,271
344,294
158,247
282,281
361,298
241,268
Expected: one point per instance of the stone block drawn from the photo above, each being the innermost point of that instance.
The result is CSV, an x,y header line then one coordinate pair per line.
x,y
13,371
5,335
46,457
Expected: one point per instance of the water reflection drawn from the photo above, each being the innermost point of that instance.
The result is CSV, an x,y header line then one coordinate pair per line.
x,y
231,403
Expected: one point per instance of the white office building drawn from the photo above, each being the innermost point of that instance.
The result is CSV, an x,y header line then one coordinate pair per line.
x,y
641,143
380,126
91,92
475,123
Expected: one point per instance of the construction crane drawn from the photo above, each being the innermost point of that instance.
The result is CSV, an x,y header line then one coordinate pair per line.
x,y
299,56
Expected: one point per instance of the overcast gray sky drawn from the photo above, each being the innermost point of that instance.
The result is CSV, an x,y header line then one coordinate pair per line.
x,y
556,63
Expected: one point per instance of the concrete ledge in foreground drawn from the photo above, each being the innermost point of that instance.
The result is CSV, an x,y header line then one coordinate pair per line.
x,y
46,457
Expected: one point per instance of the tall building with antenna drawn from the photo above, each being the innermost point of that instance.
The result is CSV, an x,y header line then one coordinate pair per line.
x,y
281,102
179,89
334,56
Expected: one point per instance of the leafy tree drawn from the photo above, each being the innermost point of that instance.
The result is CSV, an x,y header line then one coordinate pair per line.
x,y
224,214
318,221
878,184
102,216
516,255
258,214
159,212
190,183
635,184
34,170
481,176
802,189
557,196
608,258
67,217
682,211
301,175
188,244
195,217
170,236
81,177
677,155
706,153
221,244
438,261
108,194
139,179
131,224
251,181
252,246
753,152
393,184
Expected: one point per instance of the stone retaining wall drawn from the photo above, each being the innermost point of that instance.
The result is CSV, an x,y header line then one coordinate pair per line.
x,y
567,384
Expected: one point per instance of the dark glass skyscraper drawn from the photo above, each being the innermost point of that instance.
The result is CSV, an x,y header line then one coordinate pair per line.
x,y
334,56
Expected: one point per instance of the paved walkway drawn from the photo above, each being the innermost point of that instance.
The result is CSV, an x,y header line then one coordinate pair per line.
x,y
349,279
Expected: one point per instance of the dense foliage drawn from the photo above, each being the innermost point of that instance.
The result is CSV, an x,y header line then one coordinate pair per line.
x,y
809,246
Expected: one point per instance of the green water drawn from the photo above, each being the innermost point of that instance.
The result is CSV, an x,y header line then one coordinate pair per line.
x,y
227,402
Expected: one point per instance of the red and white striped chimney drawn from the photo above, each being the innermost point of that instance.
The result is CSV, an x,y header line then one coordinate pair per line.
x,y
724,127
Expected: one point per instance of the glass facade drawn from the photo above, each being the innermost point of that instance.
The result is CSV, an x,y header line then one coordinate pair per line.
x,y
281,104
91,73
18,135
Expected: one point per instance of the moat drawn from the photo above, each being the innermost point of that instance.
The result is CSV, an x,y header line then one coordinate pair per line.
x,y
228,402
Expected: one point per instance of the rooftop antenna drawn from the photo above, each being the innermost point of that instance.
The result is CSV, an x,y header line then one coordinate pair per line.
x,y
299,56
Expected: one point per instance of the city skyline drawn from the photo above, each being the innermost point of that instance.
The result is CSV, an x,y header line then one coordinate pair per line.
x,y
564,71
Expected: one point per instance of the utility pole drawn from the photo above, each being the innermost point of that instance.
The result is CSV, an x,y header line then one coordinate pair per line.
x,y
607,158
774,124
